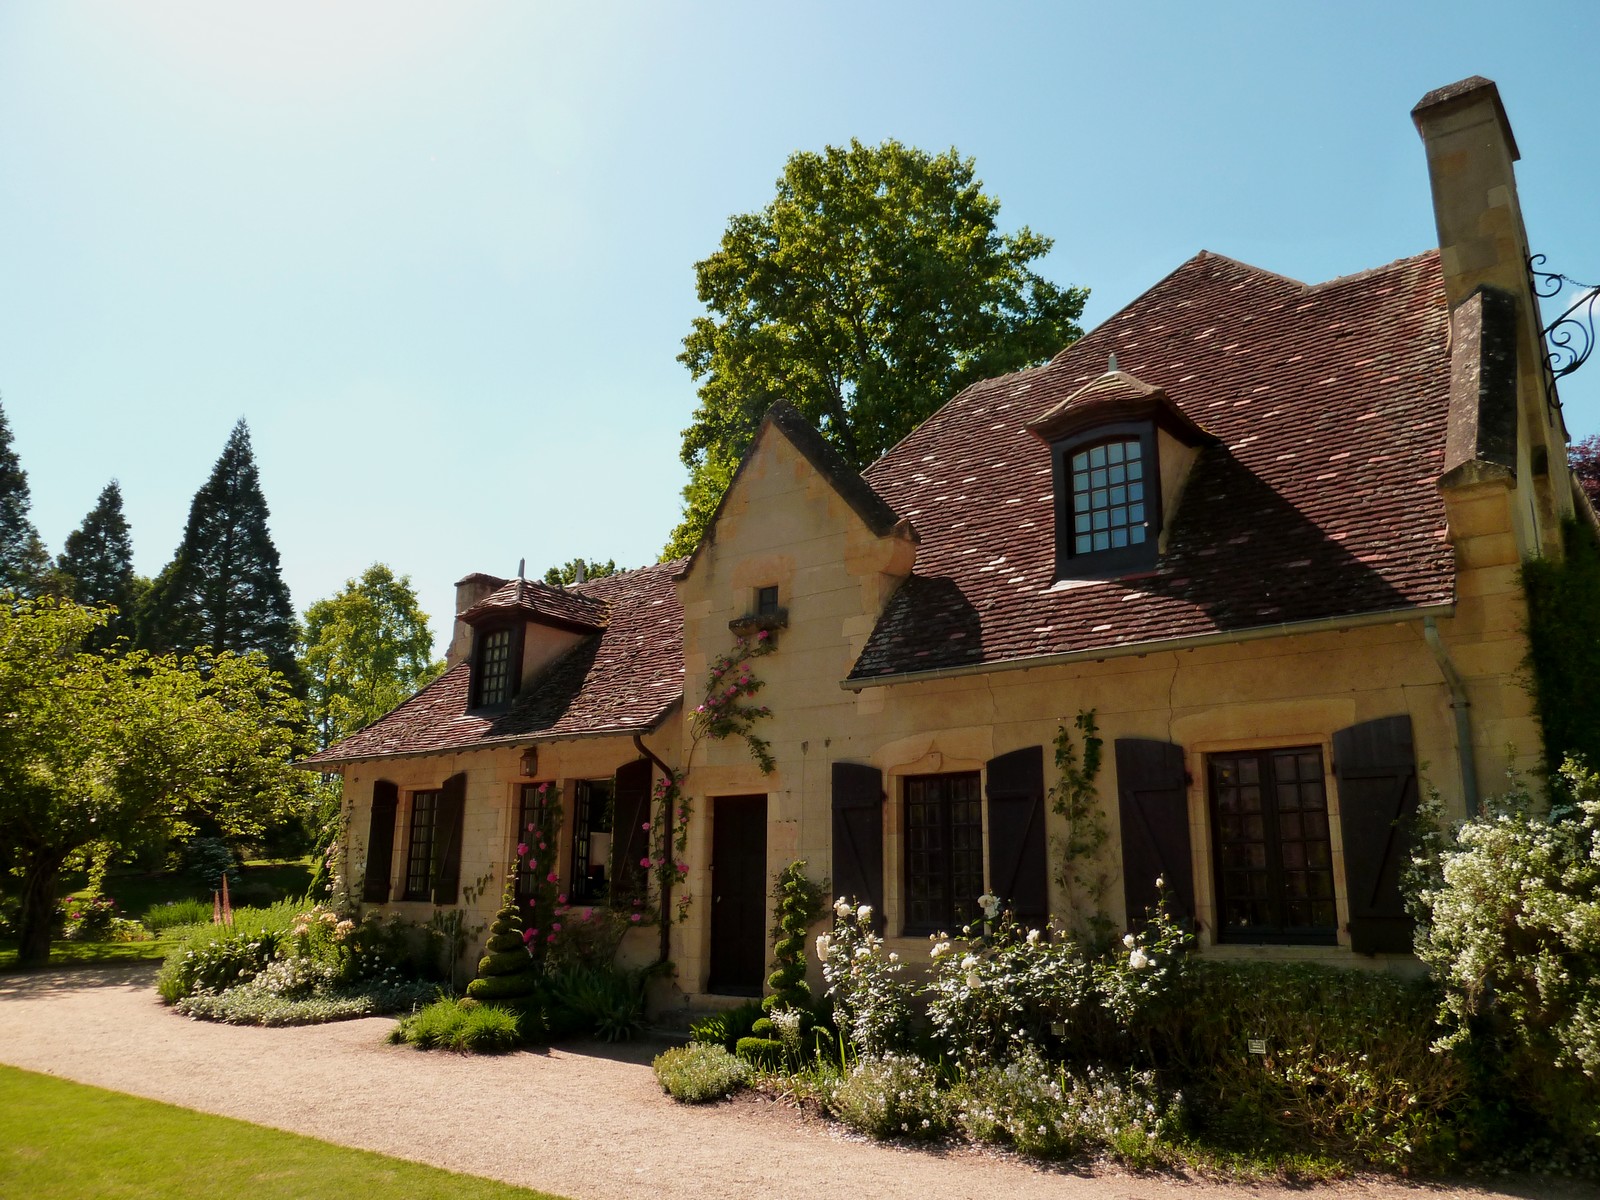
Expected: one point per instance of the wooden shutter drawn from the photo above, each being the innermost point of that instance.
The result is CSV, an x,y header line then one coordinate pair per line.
x,y
380,842
630,841
1019,871
1375,764
447,827
858,835
1153,811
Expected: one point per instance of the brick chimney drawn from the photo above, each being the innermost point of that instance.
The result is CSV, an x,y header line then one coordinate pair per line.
x,y
1483,247
469,590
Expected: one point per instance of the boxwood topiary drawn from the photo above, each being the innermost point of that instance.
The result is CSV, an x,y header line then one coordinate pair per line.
x,y
506,972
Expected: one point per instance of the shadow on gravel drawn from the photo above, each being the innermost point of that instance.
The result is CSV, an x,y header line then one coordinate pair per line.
x,y
56,980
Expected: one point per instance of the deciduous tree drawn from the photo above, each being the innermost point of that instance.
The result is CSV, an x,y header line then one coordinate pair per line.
x,y
96,567
872,289
567,572
364,651
99,750
1585,459
223,587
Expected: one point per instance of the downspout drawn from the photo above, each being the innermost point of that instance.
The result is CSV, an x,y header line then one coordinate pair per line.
x,y
1459,702
666,876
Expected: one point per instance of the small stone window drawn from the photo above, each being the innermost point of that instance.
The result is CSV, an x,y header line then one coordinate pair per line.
x,y
767,601
1108,509
494,674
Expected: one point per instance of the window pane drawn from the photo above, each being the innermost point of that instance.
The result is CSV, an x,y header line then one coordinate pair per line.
x,y
1114,452
1097,457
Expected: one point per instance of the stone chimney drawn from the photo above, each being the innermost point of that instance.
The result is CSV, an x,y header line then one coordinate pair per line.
x,y
1483,247
469,590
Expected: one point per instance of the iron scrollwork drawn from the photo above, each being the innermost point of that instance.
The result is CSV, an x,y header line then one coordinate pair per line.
x,y
1571,336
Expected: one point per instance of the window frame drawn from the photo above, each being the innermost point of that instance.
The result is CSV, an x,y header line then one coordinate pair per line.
x,y
1280,931
480,645
528,811
955,909
1093,564
414,831
582,888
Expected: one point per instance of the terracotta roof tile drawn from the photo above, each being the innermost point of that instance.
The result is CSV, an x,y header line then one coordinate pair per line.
x,y
621,681
569,607
1319,499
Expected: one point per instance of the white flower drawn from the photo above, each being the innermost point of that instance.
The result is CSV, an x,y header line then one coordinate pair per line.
x,y
1161,881
969,962
841,908
1138,960
990,905
941,950
972,979
823,943
1128,940
864,913
1033,937
893,957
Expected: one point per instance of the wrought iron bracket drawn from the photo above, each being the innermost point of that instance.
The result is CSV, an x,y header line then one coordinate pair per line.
x,y
1570,338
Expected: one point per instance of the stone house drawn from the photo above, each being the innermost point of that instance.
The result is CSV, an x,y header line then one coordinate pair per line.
x,y
1267,533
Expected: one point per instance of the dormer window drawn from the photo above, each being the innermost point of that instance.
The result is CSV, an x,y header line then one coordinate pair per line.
x,y
1106,446
494,673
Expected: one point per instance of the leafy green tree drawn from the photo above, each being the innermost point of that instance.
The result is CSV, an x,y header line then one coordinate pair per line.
x,y
24,562
100,751
872,289
96,567
363,651
223,587
567,572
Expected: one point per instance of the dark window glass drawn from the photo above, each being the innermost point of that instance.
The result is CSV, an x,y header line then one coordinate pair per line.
x,y
419,852
944,851
767,602
1108,501
530,819
1273,852
591,840
494,667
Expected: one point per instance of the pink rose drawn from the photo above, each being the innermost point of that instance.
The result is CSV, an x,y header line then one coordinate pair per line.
x,y
634,918
551,938
542,786
644,862
556,925
530,826
527,936
522,849
683,868
561,899
646,825
550,878
532,933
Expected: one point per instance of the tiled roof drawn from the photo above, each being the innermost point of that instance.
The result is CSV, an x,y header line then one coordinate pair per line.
x,y
566,607
620,681
1319,500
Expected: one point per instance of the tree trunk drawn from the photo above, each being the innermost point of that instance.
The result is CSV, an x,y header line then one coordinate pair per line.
x,y
38,909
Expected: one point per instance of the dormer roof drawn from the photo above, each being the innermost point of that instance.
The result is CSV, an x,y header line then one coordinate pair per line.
x,y
1115,398
561,608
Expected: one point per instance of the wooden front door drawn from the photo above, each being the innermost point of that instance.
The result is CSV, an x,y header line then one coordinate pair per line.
x,y
738,895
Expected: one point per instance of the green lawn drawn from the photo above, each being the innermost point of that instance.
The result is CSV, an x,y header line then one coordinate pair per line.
x,y
61,1140
66,954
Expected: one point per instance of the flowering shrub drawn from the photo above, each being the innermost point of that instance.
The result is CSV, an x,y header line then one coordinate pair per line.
x,y
668,828
541,925
890,1095
697,1073
872,1003
95,919
216,964
1043,1110
1508,905
256,1003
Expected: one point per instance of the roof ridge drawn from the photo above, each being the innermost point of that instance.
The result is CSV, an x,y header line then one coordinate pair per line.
x,y
1393,264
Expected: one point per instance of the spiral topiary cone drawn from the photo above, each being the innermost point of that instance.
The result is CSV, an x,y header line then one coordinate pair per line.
x,y
506,972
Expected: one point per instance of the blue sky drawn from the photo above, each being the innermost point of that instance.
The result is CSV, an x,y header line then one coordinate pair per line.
x,y
441,257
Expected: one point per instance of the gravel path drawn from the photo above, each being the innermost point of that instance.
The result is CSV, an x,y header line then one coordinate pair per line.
x,y
588,1123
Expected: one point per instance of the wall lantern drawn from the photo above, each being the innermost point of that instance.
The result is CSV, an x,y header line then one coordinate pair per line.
x,y
530,762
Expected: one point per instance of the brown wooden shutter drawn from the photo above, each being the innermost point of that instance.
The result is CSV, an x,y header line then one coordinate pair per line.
x,y
858,836
1019,871
1375,764
630,841
1153,810
447,827
380,842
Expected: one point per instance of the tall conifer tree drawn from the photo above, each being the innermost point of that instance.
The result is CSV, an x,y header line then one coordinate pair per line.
x,y
24,562
223,587
96,567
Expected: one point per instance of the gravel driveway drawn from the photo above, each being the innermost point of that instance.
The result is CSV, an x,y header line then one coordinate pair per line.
x,y
588,1123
